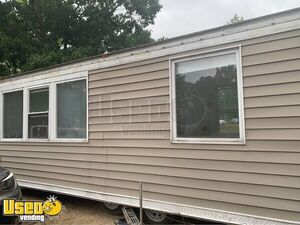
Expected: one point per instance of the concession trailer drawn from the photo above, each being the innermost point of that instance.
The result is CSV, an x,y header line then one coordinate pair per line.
x,y
209,122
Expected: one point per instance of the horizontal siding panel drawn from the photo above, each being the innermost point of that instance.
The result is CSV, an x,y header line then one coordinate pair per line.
x,y
165,154
152,146
130,110
130,71
130,87
50,162
96,142
226,197
186,181
131,127
90,147
132,177
93,184
57,182
53,155
274,145
276,89
172,168
54,175
276,192
277,151
273,180
159,134
273,78
192,169
131,102
47,148
130,95
207,154
153,75
139,118
280,44
96,135
275,67
253,145
202,185
58,150
273,123
278,134
278,100
203,164
60,171
267,112
275,56
35,161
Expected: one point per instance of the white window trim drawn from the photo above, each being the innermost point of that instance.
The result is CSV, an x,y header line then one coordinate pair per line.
x,y
224,51
54,114
32,113
2,114
36,83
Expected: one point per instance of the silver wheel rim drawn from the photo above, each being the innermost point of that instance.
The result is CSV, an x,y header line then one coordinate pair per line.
x,y
155,216
110,205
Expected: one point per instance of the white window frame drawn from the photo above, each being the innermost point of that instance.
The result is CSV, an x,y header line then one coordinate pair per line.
x,y
29,113
224,51
2,115
33,83
55,113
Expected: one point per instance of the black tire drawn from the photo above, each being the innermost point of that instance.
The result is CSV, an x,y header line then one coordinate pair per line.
x,y
112,208
155,217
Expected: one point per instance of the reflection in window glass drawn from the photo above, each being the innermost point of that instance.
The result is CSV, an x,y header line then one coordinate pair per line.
x,y
71,109
38,113
13,115
38,125
39,100
207,98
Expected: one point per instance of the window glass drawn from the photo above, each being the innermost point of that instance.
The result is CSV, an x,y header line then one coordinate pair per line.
x,y
38,125
13,115
207,98
71,109
39,100
38,113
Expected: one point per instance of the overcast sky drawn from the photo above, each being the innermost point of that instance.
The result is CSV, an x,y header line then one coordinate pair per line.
x,y
178,17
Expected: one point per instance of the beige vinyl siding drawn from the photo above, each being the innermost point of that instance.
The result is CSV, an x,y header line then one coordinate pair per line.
x,y
129,139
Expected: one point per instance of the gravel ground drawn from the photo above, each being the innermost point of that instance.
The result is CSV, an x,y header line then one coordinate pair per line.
x,y
77,211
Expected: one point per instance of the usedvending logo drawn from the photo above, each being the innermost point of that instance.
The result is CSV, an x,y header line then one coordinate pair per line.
x,y
29,211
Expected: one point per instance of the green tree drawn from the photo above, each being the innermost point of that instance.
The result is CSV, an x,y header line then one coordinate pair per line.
x,y
40,33
235,19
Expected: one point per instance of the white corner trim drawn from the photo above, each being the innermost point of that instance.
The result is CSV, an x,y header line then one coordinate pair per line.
x,y
173,208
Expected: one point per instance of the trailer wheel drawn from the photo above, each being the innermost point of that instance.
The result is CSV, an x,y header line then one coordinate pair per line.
x,y
112,208
156,217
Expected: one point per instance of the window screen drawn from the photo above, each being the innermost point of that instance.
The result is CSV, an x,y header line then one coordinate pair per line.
x,y
13,115
38,113
71,109
207,98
